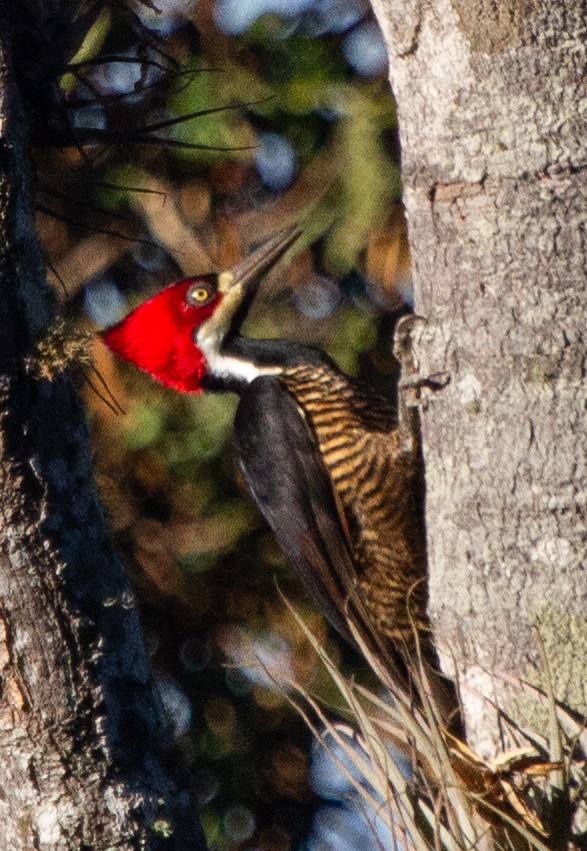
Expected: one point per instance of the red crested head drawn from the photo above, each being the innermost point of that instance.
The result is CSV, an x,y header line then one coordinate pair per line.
x,y
158,336
179,335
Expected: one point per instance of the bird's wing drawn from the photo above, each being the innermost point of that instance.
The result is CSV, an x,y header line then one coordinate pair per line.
x,y
289,482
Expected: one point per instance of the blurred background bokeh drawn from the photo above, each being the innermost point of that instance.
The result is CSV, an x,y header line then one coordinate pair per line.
x,y
196,130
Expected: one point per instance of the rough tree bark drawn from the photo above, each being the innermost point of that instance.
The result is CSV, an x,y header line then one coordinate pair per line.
x,y
492,99
81,733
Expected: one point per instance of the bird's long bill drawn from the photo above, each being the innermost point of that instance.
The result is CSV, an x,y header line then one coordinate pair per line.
x,y
250,271
238,286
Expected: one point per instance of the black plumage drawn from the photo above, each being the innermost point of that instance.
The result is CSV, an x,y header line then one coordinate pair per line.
x,y
323,460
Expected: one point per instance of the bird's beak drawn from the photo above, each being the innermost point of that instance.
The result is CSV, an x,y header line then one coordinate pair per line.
x,y
239,285
249,272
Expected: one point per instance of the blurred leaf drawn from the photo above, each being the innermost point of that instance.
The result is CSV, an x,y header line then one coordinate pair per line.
x,y
120,183
213,415
146,425
211,825
225,130
198,562
367,181
89,47
355,333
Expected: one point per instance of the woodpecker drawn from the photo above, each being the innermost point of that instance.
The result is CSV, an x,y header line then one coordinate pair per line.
x,y
321,454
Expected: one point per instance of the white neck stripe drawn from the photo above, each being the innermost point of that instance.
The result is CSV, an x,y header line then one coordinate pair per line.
x,y
221,365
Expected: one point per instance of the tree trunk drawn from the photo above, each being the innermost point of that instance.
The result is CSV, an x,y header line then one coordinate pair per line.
x,y
81,736
491,99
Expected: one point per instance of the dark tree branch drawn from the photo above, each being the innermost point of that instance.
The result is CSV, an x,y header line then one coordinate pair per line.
x,y
82,743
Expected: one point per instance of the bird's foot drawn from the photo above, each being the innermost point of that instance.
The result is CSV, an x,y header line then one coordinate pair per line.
x,y
415,387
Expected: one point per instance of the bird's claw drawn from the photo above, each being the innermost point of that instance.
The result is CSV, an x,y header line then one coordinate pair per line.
x,y
414,388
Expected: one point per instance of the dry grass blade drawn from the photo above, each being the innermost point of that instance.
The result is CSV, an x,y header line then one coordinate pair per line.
x,y
430,745
555,740
437,763
357,756
454,800
573,723
533,842
360,763
393,800
383,773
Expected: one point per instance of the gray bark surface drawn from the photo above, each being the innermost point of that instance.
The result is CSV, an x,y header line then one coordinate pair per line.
x,y
492,103
82,738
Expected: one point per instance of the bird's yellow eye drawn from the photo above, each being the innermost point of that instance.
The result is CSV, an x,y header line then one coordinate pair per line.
x,y
199,295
